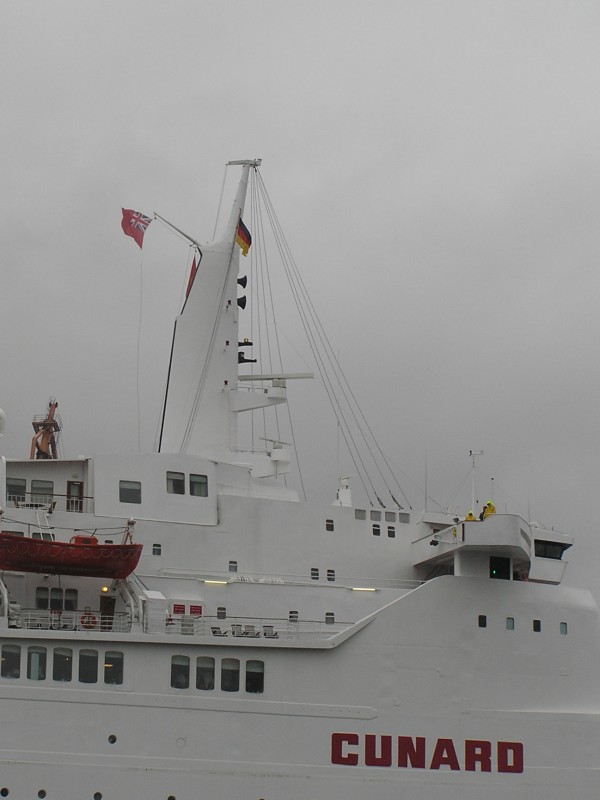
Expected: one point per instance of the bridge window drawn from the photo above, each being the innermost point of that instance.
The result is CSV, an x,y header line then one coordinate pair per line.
x,y
360,513
205,673
130,492
390,516
403,517
175,483
113,667
375,515
10,665
36,663
88,666
545,549
62,664
255,676
180,672
230,675
198,485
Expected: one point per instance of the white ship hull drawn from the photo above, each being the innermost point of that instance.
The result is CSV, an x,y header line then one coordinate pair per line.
x,y
267,649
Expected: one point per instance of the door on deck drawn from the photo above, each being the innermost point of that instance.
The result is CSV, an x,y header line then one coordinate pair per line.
x,y
74,495
107,612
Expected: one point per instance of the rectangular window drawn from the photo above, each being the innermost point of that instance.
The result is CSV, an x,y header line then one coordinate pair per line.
x,y
205,673
180,672
293,616
331,575
113,667
563,628
42,492
360,513
376,530
482,621
314,573
537,625
130,492
230,675
156,549
16,489
510,623
36,663
391,531
329,525
88,666
56,599
255,677
42,597
221,612
70,603
10,666
233,565
329,617
62,664
198,485
175,483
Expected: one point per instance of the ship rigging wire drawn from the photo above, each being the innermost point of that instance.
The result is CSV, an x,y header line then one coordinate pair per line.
x,y
331,371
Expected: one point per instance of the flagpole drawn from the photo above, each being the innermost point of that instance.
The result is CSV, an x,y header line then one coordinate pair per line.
x,y
139,431
175,228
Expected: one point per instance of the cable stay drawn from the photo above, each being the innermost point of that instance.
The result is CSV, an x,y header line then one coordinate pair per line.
x,y
370,463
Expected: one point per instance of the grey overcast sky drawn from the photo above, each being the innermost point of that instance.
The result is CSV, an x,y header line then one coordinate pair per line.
x,y
434,165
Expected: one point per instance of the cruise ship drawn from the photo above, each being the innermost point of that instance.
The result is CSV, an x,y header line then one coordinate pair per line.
x,y
182,625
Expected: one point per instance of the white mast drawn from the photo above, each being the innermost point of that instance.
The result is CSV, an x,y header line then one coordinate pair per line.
x,y
204,357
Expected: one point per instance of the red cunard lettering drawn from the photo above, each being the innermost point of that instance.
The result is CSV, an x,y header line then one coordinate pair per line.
x,y
338,750
348,749
371,757
444,755
411,751
510,757
478,752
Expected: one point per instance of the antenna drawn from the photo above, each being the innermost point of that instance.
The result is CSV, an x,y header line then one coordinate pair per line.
x,y
473,454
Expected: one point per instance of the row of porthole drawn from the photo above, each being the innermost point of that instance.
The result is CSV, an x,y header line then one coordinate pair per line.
x,y
510,624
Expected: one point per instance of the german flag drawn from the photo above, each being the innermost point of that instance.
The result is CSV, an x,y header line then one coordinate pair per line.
x,y
243,238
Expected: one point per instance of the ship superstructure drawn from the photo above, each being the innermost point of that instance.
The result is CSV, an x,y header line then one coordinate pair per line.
x,y
263,647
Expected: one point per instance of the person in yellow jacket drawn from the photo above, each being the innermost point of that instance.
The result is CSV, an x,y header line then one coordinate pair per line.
x,y
488,509
470,517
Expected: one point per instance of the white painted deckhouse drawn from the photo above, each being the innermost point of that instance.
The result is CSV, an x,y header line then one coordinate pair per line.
x,y
263,648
